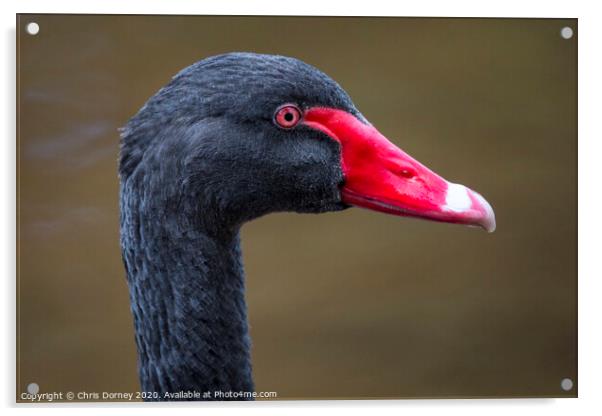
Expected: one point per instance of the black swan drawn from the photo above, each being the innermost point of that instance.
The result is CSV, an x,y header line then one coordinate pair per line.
x,y
231,138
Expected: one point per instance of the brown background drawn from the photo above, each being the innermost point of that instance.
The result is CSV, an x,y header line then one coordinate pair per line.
x,y
343,305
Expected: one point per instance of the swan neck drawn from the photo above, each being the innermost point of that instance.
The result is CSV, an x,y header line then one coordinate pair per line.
x,y
187,298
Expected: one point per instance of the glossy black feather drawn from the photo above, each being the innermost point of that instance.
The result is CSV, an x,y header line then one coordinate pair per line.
x,y
201,158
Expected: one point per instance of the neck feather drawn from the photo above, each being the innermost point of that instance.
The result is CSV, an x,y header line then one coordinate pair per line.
x,y
187,299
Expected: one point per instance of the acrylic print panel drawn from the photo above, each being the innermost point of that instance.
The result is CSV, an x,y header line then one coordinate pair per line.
x,y
349,304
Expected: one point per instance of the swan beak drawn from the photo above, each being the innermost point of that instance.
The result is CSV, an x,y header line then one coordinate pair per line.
x,y
382,177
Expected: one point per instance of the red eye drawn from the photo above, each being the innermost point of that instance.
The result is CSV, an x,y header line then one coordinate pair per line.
x,y
287,116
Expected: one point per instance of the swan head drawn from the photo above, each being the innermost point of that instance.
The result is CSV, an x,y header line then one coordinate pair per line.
x,y
237,136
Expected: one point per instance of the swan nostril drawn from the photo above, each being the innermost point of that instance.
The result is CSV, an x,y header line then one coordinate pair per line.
x,y
406,173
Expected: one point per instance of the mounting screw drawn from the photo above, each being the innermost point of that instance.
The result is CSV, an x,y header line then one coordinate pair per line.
x,y
33,388
566,384
566,32
32,28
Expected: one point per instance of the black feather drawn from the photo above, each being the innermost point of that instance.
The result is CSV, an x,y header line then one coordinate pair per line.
x,y
202,157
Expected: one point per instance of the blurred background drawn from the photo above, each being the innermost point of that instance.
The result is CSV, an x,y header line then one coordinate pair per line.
x,y
353,304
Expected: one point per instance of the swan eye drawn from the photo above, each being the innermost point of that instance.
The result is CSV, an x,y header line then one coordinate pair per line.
x,y
287,116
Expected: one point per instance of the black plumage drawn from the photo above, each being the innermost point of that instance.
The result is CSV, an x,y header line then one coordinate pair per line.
x,y
201,158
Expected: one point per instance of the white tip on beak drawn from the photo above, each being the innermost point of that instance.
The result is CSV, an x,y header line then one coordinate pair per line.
x,y
488,219
469,207
457,198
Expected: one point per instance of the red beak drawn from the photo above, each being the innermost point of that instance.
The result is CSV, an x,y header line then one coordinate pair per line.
x,y
382,177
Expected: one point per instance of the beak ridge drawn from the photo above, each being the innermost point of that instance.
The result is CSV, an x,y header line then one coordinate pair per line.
x,y
381,177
